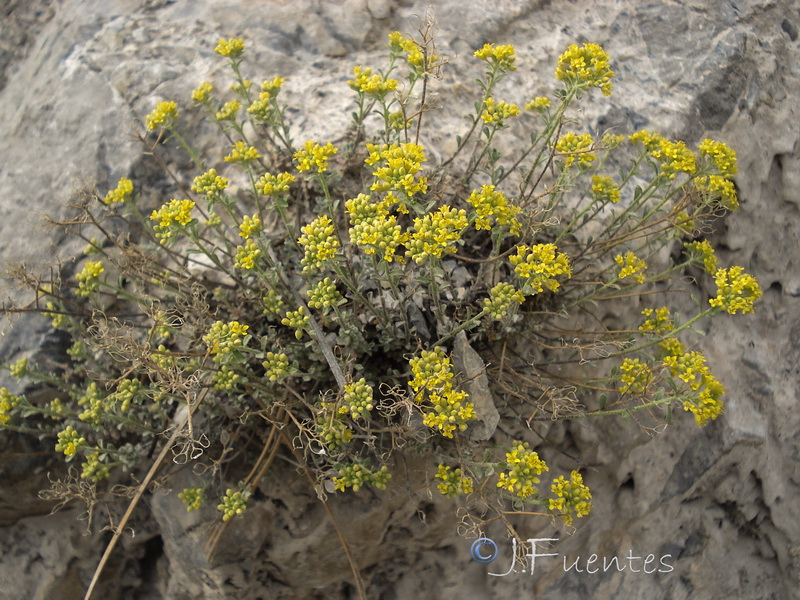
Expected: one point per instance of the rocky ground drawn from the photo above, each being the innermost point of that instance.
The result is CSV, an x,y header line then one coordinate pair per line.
x,y
721,501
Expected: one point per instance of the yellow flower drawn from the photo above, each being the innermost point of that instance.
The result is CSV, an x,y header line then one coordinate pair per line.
x,y
576,146
604,189
277,366
250,226
719,189
539,104
319,243
247,255
707,405
488,203
274,185
497,112
164,115
571,496
501,57
272,87
228,111
501,297
630,265
88,278
314,156
702,250
122,193
298,320
436,234
723,156
379,234
453,482
371,84
231,48
736,291
172,216
585,66
636,376
203,92
209,183
400,164
538,267
524,467
657,321
242,153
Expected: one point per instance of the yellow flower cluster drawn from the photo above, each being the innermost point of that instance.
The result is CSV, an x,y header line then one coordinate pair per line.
x,y
209,183
571,496
228,111
193,498
273,304
636,376
232,48
126,392
672,346
274,185
538,266
605,189
242,153
173,215
497,112
70,441
261,109
501,57
319,243
539,104
93,469
298,320
247,255
488,203
585,66
164,115
371,84
331,430
250,226
524,467
736,291
724,156
398,43
435,234
500,299
272,87
574,146
691,368
312,155
121,193
707,405
89,278
630,265
202,92
379,235
673,156
241,87
356,476
702,250
358,399
720,188
400,164
433,380
453,482
8,402
233,504
324,295
224,338
657,321
277,366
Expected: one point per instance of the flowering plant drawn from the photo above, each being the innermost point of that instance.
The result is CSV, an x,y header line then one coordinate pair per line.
x,y
329,306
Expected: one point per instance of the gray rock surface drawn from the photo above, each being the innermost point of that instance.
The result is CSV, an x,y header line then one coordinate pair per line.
x,y
723,501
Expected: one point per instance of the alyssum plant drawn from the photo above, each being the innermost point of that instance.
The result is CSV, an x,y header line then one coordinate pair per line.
x,y
320,301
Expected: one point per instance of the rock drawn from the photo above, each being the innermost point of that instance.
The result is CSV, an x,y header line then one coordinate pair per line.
x,y
472,371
